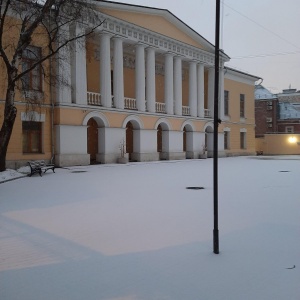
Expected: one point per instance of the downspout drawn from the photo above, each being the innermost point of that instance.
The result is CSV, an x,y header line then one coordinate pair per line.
x,y
52,114
52,104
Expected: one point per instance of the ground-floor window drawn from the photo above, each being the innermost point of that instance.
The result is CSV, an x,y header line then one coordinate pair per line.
x,y
32,136
243,140
289,129
226,140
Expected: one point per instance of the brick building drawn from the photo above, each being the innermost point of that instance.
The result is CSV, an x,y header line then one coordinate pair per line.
x,y
277,119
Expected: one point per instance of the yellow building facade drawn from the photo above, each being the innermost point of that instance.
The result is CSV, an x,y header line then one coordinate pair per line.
x,y
143,84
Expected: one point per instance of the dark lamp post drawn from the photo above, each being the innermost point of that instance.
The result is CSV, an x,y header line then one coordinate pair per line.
x,y
216,124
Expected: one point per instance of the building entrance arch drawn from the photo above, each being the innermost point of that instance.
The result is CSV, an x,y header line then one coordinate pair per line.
x,y
129,140
95,135
92,139
163,140
209,140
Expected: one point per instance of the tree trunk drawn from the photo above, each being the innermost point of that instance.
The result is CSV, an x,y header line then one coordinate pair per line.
x,y
10,114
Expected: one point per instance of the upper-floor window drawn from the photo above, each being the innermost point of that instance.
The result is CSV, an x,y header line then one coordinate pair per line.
x,y
242,105
226,103
33,79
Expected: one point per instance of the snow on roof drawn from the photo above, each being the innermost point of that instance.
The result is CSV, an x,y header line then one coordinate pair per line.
x,y
262,93
289,110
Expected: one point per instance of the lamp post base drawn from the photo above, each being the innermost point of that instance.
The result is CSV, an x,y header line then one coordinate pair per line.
x,y
216,241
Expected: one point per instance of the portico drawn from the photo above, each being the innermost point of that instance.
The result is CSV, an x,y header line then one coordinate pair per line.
x,y
186,72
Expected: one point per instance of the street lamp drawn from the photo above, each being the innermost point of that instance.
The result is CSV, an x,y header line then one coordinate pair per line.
x,y
216,124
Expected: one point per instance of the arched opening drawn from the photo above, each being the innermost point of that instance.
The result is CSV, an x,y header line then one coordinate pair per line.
x,y
129,140
163,141
159,138
188,141
184,139
209,141
92,140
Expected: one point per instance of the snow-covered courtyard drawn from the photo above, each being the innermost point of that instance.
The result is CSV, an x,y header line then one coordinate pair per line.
x,y
134,232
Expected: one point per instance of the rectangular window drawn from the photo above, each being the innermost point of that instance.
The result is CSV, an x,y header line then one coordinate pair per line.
x,y
242,105
226,140
243,140
32,137
33,79
289,129
226,103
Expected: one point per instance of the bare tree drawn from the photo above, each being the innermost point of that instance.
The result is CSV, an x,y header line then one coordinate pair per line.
x,y
20,22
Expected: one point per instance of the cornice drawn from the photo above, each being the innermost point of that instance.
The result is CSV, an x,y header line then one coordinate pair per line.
x,y
136,34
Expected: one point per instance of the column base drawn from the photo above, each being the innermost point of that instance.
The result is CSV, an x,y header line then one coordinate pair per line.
x,y
193,154
66,160
172,155
145,156
109,158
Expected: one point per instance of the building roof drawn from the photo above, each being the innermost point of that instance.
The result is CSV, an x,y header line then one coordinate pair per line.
x,y
165,13
244,74
262,93
289,111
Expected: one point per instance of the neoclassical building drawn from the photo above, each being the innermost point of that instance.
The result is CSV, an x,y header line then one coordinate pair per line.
x,y
143,84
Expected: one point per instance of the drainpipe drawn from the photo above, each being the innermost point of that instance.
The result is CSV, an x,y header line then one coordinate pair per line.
x,y
52,104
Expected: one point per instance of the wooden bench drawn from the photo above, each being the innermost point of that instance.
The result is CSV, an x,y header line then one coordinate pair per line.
x,y
39,166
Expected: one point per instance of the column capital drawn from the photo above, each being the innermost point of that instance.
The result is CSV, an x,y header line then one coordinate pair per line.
x,y
105,33
118,38
169,54
139,44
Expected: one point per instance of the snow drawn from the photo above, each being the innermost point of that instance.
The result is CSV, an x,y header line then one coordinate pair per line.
x,y
13,174
134,232
262,93
289,110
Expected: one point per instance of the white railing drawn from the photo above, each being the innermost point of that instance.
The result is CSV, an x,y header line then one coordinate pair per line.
x,y
186,111
160,107
207,113
93,98
129,103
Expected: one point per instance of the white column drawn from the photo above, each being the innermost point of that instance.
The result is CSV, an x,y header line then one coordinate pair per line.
x,y
118,77
105,70
140,77
221,93
169,83
150,80
63,90
178,85
200,90
210,96
79,80
193,88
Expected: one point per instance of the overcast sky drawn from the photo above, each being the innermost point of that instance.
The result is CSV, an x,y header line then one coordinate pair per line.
x,y
261,36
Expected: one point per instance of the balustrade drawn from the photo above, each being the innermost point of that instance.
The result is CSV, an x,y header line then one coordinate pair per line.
x,y
160,107
94,98
207,113
186,111
130,103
